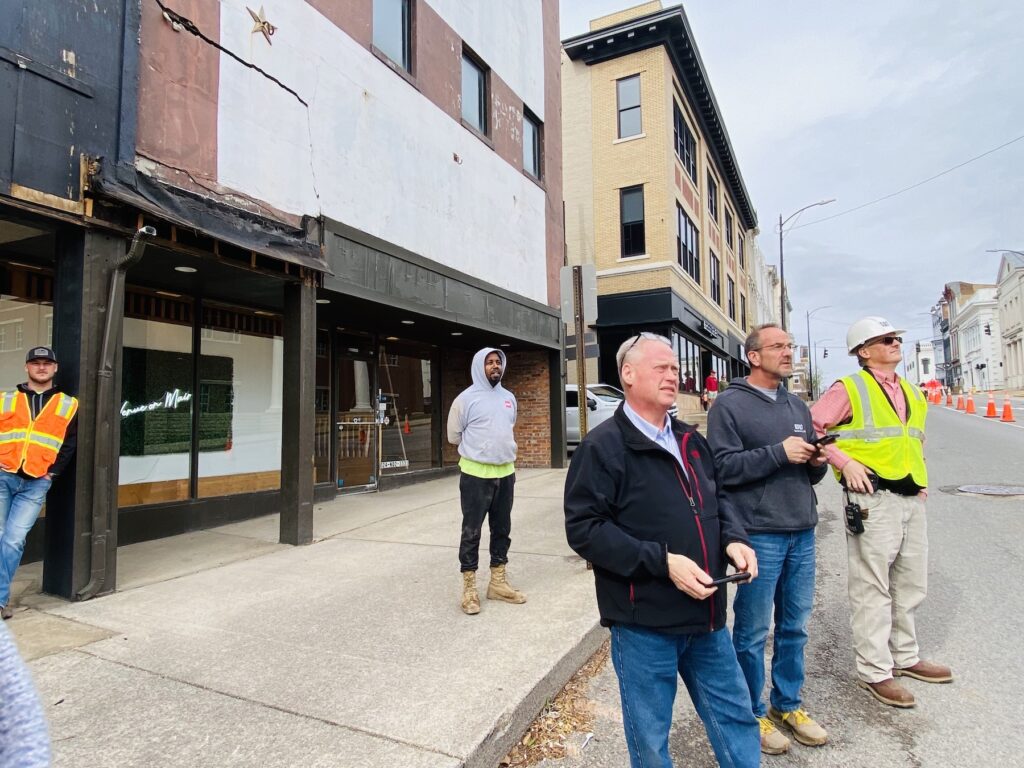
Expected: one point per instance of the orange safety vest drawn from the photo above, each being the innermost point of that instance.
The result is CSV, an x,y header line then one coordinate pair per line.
x,y
30,445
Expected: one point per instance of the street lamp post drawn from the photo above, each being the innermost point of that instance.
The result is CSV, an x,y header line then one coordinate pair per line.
x,y
782,266
1002,250
810,370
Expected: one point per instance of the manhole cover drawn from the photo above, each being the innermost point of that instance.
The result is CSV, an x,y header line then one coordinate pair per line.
x,y
993,490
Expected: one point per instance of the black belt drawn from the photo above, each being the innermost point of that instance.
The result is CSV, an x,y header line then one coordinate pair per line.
x,y
904,487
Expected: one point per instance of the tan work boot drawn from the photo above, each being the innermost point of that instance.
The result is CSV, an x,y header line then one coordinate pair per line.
x,y
889,692
926,671
470,598
772,742
500,589
801,725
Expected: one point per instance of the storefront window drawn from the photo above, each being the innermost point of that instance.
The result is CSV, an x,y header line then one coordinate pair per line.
x,y
241,364
322,429
230,389
26,319
405,378
156,400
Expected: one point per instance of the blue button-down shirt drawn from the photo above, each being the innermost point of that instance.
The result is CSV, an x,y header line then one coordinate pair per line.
x,y
663,437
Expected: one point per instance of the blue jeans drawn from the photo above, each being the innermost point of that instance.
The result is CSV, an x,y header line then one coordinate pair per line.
x,y
647,663
21,499
785,581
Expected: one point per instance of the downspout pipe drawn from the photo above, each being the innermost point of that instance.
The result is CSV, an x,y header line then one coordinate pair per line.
x,y
101,472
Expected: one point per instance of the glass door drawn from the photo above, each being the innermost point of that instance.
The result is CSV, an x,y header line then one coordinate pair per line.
x,y
357,429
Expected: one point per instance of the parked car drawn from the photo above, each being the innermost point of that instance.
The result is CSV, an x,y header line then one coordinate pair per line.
x,y
602,400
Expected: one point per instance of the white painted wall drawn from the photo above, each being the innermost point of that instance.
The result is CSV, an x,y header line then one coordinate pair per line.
x,y
371,151
509,36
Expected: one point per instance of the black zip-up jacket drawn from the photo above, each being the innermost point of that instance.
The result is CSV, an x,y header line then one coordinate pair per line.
x,y
37,401
627,504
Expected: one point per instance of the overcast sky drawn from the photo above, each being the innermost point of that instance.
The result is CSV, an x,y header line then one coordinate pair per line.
x,y
856,101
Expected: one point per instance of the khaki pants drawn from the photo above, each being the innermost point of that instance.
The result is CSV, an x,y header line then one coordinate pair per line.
x,y
888,580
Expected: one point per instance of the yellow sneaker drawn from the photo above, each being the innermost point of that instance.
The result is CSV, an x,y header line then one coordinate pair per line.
x,y
772,742
801,725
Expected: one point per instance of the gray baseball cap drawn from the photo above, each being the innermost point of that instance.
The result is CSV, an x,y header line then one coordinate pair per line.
x,y
40,353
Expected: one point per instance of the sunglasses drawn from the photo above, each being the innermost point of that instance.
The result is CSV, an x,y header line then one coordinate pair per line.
x,y
889,340
636,340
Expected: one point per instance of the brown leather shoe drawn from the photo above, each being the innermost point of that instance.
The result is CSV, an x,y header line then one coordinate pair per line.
x,y
889,692
928,671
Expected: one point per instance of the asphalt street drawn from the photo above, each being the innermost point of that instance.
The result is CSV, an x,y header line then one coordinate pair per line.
x,y
973,620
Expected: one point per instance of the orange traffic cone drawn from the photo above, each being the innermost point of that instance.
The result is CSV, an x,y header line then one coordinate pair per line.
x,y
960,402
1007,410
970,405
990,411
406,429
949,399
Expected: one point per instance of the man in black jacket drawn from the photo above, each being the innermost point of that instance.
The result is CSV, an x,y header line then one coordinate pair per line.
x,y
642,504
760,435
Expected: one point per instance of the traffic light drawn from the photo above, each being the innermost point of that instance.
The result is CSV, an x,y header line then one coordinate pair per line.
x,y
988,329
825,353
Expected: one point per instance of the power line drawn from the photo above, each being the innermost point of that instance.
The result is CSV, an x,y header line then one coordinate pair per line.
x,y
912,186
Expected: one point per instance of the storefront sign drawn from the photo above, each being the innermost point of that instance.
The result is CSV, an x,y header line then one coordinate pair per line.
x,y
170,401
709,329
402,464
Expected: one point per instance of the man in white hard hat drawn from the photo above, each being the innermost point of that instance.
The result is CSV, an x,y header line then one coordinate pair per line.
x,y
879,459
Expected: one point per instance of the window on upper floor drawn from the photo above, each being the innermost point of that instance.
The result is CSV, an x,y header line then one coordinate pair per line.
x,y
628,93
716,278
687,244
392,30
474,93
532,160
743,312
728,227
730,295
686,145
712,196
739,252
631,213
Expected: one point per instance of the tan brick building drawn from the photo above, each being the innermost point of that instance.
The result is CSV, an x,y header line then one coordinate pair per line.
x,y
654,197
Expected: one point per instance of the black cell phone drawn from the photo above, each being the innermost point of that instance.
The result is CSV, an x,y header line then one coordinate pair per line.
x,y
738,576
825,440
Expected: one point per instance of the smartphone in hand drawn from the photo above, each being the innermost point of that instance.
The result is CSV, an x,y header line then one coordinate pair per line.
x,y
738,576
821,442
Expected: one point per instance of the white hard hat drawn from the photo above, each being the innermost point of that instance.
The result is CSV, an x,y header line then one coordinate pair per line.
x,y
868,328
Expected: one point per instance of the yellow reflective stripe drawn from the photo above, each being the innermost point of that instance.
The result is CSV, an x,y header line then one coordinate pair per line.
x,y
915,432
45,440
8,402
64,406
875,433
865,402
6,437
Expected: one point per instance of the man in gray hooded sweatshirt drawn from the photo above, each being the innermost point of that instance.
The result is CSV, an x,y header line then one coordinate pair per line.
x,y
481,423
760,435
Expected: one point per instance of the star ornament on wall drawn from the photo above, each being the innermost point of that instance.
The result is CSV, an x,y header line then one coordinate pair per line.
x,y
261,25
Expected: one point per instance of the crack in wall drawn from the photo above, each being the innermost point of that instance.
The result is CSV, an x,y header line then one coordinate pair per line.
x,y
189,26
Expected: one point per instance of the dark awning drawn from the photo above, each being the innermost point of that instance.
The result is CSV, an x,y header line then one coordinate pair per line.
x,y
230,225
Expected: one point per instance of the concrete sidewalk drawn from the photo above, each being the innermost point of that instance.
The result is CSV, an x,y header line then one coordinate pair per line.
x,y
226,649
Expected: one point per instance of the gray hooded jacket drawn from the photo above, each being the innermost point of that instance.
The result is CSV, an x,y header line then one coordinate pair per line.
x,y
482,417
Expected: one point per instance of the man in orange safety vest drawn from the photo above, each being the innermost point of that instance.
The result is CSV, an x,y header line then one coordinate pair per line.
x,y
38,435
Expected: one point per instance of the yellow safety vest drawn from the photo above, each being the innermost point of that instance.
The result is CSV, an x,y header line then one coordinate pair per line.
x,y
33,445
876,437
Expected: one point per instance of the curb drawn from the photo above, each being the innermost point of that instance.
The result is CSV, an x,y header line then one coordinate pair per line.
x,y
511,725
